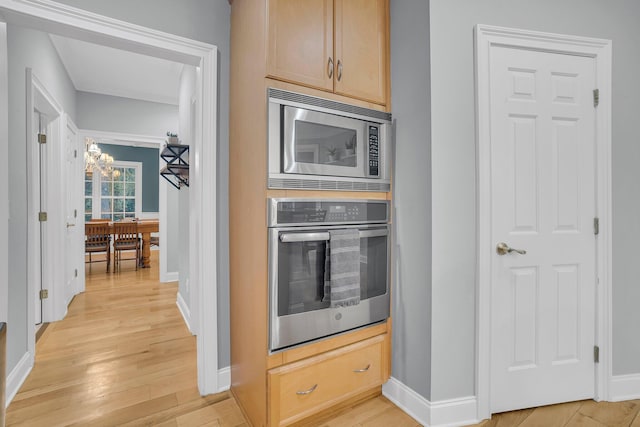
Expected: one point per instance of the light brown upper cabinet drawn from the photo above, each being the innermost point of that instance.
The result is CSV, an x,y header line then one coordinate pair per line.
x,y
339,46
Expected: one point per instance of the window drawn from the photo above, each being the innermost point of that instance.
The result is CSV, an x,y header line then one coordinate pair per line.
x,y
115,197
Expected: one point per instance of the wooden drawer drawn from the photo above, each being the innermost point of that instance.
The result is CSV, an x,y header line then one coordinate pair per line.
x,y
300,389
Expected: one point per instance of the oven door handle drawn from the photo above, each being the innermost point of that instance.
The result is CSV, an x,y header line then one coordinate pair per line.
x,y
319,236
303,237
374,233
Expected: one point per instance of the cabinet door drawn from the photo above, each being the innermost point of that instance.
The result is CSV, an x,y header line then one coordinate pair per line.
x,y
300,42
361,49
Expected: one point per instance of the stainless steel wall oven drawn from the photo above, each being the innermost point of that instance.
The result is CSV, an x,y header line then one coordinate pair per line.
x,y
320,282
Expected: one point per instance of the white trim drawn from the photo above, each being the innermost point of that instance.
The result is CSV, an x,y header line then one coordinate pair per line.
x,y
454,412
184,311
96,196
4,178
138,168
51,265
149,215
600,50
224,379
54,17
172,276
17,376
624,387
203,221
128,139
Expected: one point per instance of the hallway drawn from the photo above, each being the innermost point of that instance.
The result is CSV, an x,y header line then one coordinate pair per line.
x,y
122,355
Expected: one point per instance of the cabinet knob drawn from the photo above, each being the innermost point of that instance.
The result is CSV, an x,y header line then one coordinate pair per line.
x,y
330,68
339,69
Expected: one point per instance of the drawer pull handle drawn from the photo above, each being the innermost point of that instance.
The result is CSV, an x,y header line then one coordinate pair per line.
x,y
305,392
358,371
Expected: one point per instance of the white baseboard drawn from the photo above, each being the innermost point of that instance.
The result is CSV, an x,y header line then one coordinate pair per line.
x,y
17,377
173,276
184,310
224,379
624,387
444,413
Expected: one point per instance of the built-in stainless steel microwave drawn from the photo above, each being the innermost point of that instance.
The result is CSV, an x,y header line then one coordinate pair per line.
x,y
316,143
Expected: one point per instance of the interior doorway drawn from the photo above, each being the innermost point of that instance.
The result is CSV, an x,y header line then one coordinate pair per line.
x,y
61,19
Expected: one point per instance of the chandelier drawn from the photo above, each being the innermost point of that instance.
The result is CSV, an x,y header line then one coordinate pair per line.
x,y
97,161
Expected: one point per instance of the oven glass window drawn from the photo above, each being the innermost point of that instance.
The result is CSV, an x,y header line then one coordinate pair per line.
x,y
373,267
301,272
325,145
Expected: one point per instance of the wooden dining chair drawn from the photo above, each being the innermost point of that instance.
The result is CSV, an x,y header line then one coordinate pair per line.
x,y
98,240
126,239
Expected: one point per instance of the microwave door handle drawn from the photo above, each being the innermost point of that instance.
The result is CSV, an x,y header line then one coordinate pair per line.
x,y
303,237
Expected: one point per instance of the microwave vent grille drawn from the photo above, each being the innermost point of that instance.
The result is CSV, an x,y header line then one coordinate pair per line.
x,y
316,184
328,104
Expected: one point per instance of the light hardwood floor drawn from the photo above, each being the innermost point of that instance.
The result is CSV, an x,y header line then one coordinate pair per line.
x,y
123,356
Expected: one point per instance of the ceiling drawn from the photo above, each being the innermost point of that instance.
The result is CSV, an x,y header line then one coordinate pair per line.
x,y
105,70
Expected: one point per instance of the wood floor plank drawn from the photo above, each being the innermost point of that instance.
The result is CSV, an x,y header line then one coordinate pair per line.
x,y
618,414
581,420
508,419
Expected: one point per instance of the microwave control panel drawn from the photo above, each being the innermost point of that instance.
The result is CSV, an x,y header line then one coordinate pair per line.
x,y
374,148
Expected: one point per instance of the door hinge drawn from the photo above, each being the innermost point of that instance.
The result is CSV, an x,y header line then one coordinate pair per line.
x,y
44,294
596,97
42,216
596,354
596,226
75,274
75,213
75,154
42,138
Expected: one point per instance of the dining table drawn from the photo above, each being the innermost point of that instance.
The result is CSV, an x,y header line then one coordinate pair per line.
x,y
145,228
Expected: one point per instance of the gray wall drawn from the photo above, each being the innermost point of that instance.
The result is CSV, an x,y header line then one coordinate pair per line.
x,y
149,157
411,347
124,115
207,21
454,177
33,49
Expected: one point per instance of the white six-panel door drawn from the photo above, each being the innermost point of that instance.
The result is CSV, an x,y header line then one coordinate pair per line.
x,y
543,201
74,210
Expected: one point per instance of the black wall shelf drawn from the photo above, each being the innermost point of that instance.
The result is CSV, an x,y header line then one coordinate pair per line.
x,y
177,169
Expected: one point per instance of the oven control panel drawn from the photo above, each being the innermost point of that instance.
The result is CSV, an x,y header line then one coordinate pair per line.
x,y
314,211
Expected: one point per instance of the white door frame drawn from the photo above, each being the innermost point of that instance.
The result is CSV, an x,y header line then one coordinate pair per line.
x,y
51,264
144,141
4,181
600,50
53,17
